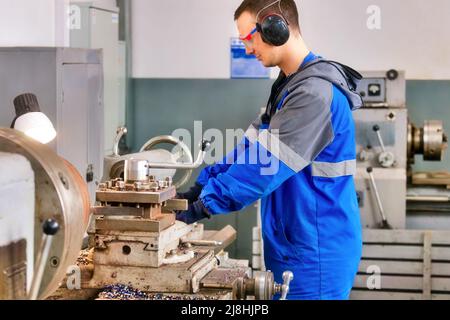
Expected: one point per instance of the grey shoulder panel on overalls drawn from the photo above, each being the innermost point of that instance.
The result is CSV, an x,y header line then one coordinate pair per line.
x,y
303,125
332,73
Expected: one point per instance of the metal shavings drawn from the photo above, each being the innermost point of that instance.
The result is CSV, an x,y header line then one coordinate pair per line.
x,y
123,292
159,296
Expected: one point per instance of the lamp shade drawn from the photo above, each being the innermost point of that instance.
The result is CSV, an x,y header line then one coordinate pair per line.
x,y
37,126
30,120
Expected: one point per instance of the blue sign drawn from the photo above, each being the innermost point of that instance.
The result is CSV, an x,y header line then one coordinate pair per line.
x,y
243,65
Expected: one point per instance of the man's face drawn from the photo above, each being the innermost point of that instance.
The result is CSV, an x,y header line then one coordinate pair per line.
x,y
265,53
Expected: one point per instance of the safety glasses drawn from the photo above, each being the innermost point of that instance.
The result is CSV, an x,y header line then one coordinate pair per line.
x,y
248,40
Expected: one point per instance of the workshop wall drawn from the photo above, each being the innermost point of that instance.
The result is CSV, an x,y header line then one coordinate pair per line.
x,y
191,39
34,23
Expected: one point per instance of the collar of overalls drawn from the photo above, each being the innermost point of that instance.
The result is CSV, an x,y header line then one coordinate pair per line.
x,y
277,88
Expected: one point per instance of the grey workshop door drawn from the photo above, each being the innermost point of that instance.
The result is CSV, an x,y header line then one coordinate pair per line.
x,y
105,35
78,117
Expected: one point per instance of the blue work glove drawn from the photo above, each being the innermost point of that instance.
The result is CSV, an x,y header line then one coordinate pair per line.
x,y
192,194
195,212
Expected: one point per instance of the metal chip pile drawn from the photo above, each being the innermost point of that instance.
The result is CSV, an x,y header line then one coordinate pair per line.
x,y
159,296
122,292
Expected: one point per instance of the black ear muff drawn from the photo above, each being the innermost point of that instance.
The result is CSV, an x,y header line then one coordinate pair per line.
x,y
274,30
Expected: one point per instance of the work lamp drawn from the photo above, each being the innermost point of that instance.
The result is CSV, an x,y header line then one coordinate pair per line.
x,y
31,121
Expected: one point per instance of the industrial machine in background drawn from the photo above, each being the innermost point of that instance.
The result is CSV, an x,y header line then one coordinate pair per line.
x,y
387,143
398,262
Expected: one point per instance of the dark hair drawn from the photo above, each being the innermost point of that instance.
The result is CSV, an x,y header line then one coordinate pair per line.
x,y
288,8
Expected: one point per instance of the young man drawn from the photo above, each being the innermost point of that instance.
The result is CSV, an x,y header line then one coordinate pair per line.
x,y
310,215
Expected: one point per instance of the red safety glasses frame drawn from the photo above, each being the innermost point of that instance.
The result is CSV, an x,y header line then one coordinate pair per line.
x,y
248,40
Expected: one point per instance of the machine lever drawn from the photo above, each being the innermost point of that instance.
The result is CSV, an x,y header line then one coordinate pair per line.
x,y
376,128
119,133
49,228
288,276
385,223
203,242
204,145
385,158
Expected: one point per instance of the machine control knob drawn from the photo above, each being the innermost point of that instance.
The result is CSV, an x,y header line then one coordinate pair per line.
x,y
205,145
386,159
392,74
364,155
288,276
50,227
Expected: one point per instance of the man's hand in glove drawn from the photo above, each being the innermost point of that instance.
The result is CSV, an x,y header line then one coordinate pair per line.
x,y
192,194
195,212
